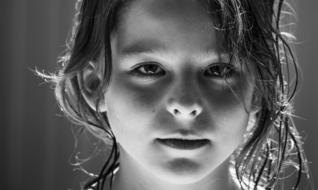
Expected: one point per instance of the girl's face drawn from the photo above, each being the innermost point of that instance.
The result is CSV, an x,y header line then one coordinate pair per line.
x,y
172,80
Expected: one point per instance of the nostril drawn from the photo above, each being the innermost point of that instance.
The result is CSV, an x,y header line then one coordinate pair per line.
x,y
193,113
184,111
176,112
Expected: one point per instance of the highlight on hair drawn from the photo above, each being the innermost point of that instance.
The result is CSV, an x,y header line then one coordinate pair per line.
x,y
254,33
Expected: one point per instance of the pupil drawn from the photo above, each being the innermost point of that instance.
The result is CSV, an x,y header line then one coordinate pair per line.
x,y
150,68
220,70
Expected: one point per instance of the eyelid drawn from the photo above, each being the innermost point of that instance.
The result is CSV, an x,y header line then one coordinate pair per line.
x,y
219,63
227,64
146,63
134,69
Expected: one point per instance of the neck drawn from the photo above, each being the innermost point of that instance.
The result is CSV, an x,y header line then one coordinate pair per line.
x,y
132,176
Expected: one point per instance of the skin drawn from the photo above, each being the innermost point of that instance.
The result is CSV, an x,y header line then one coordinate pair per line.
x,y
176,43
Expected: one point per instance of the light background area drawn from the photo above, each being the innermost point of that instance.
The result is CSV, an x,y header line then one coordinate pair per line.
x,y
36,144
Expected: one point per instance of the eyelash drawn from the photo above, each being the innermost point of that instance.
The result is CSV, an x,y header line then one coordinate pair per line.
x,y
138,70
225,70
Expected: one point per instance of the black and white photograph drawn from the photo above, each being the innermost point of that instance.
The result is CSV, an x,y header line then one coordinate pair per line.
x,y
159,95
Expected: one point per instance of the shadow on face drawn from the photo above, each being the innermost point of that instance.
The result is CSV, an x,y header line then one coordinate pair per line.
x,y
171,78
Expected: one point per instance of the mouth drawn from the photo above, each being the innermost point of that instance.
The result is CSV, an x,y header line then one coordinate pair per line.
x,y
184,144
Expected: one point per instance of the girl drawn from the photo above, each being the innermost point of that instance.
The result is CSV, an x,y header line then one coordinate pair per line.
x,y
186,94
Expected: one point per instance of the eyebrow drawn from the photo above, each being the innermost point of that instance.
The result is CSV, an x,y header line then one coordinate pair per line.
x,y
145,46
142,46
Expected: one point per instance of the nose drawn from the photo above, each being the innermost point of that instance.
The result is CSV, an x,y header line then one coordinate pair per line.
x,y
184,111
185,98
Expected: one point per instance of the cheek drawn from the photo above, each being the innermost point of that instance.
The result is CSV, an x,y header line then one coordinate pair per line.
x,y
228,109
132,108
228,95
232,126
229,122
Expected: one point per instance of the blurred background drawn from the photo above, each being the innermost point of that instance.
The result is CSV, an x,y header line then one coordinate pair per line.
x,y
36,143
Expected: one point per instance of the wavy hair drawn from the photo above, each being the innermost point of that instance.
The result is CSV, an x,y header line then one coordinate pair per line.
x,y
254,33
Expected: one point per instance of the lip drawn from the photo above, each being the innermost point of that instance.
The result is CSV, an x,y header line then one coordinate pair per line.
x,y
184,144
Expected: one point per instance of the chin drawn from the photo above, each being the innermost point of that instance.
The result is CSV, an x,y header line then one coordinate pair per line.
x,y
183,171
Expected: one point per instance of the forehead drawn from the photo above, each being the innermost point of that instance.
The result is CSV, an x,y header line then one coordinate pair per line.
x,y
167,24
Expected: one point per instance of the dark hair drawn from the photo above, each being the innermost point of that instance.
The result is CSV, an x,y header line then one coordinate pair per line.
x,y
252,34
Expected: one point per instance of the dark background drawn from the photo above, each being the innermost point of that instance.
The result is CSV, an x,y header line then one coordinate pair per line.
x,y
36,143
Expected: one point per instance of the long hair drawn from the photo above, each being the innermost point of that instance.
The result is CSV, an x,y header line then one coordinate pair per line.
x,y
253,34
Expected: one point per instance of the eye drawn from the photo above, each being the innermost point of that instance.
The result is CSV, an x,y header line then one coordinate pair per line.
x,y
220,70
149,70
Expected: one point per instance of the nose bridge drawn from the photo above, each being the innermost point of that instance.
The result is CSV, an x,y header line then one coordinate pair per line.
x,y
184,101
185,90
187,94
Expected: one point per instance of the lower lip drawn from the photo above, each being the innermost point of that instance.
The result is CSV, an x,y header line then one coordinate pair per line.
x,y
184,144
